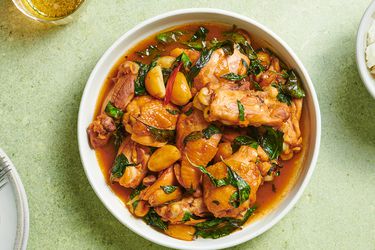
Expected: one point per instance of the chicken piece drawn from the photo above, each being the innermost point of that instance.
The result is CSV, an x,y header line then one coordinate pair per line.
x,y
187,124
147,120
217,199
220,64
260,107
123,91
175,211
155,195
100,130
271,75
200,151
292,133
136,153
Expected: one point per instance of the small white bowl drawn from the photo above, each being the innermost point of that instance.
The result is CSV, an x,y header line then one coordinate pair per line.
x,y
144,30
367,78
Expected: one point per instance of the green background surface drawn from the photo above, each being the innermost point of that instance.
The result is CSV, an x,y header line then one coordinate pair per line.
x,y
43,72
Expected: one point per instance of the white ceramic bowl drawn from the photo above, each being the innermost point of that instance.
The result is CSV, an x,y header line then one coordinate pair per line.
x,y
144,30
364,26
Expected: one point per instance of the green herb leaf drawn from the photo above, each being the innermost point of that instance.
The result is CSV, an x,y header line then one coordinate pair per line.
x,y
153,219
256,67
233,77
293,86
257,86
184,59
272,142
187,216
161,135
202,61
291,89
219,227
228,47
216,182
205,133
139,83
244,140
121,162
195,45
137,191
119,134
170,36
210,131
112,111
189,111
243,187
241,111
201,34
173,111
150,50
135,204
168,189
193,136
233,200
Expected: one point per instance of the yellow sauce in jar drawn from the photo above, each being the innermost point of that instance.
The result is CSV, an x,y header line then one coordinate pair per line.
x,y
52,9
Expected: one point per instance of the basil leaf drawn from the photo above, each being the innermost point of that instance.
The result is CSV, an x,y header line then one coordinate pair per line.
x,y
272,142
184,59
201,33
135,204
153,219
205,133
139,83
161,135
137,191
173,111
242,186
168,189
241,111
256,67
233,200
119,134
257,86
293,86
219,227
202,61
195,45
227,46
243,140
233,77
189,111
214,181
193,136
121,162
210,131
112,111
150,50
170,36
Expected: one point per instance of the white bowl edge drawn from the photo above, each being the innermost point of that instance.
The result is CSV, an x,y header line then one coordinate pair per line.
x,y
361,44
87,106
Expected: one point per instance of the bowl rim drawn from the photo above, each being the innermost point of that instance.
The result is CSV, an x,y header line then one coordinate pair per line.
x,y
361,44
315,105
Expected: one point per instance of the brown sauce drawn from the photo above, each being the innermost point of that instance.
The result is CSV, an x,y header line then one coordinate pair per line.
x,y
269,194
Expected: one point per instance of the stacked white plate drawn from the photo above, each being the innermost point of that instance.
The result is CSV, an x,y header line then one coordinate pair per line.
x,y
14,209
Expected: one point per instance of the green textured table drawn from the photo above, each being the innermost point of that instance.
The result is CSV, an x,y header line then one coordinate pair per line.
x,y
43,72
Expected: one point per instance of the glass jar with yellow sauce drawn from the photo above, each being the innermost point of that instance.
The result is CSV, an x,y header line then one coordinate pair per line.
x,y
50,11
